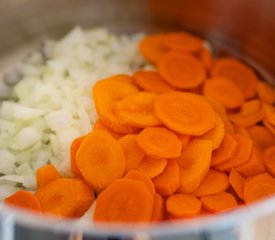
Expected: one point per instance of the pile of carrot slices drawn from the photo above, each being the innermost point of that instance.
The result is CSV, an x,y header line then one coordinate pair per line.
x,y
195,136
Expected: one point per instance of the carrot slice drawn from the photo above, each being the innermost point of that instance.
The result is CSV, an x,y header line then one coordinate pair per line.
x,y
183,113
152,167
152,47
216,134
206,58
159,142
168,181
269,160
23,199
269,126
182,41
106,94
137,110
269,112
74,148
214,182
224,91
182,70
132,152
65,197
194,164
100,126
237,182
254,166
183,205
237,72
125,200
258,187
227,150
151,81
266,92
261,136
46,174
250,114
138,176
185,140
100,159
242,155
219,202
240,130
158,208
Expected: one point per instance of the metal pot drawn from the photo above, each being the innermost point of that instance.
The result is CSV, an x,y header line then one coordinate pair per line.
x,y
244,28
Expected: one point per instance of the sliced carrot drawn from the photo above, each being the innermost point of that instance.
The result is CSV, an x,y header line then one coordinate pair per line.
x,y
219,202
183,205
224,91
168,181
46,174
152,167
158,208
182,41
206,58
237,72
65,197
240,130
237,182
152,47
214,182
258,187
245,146
261,136
106,94
250,114
266,92
74,148
138,176
216,134
269,160
137,110
100,159
269,112
132,152
23,199
254,166
185,140
227,150
182,70
159,142
100,126
269,126
194,165
125,200
151,81
183,113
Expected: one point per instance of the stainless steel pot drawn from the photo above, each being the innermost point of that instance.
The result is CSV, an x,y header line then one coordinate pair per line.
x,y
244,28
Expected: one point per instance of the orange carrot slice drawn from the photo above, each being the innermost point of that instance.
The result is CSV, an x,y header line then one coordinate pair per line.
x,y
261,136
240,130
132,152
269,160
237,72
151,81
106,94
194,164
100,159
183,113
224,91
152,47
46,174
219,202
227,150
242,155
158,208
138,110
183,205
152,167
269,112
182,41
237,182
185,140
269,126
213,183
100,126
159,142
258,187
181,70
168,181
74,148
206,58
23,199
266,92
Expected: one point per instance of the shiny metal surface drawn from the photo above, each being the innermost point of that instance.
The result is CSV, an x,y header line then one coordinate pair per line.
x,y
245,28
